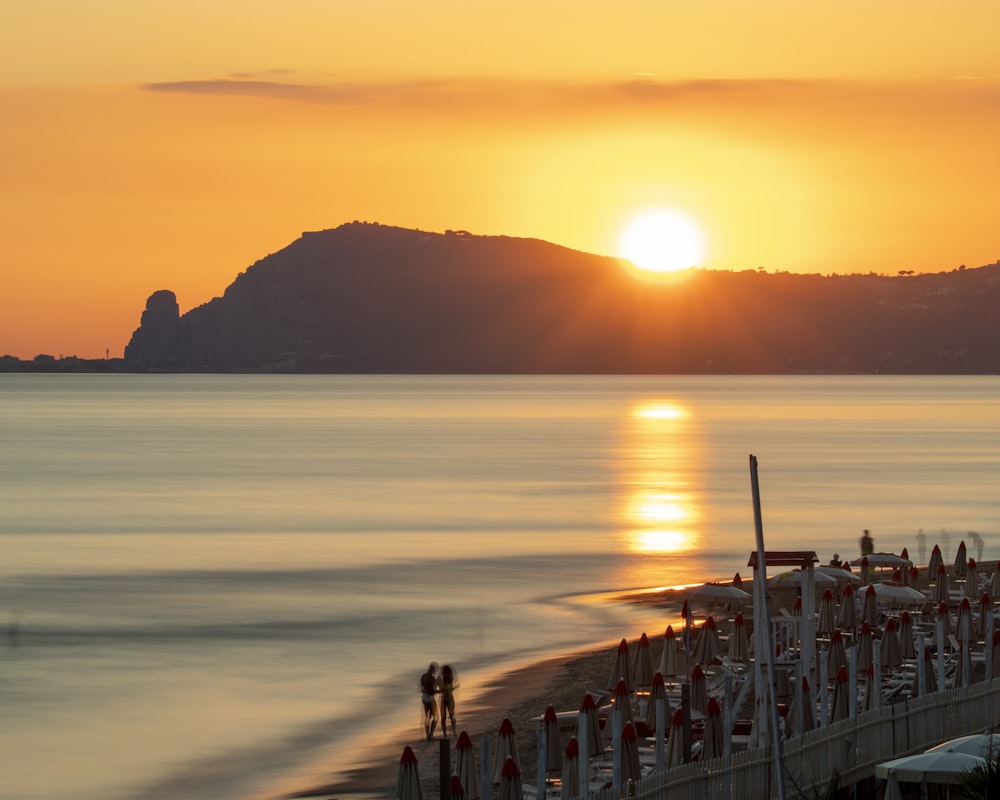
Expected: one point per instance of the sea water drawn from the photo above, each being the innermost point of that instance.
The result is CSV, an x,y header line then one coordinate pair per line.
x,y
227,586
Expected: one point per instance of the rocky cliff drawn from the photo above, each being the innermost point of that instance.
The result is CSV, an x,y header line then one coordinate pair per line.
x,y
372,298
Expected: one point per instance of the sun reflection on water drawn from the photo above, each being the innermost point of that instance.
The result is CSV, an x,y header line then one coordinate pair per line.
x,y
658,508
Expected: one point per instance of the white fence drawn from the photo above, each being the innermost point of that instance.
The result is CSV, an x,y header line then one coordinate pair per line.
x,y
850,749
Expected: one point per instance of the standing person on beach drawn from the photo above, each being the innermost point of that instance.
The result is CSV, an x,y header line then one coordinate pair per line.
x,y
867,543
449,683
430,686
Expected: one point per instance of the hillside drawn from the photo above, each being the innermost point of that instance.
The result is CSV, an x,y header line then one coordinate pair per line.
x,y
371,298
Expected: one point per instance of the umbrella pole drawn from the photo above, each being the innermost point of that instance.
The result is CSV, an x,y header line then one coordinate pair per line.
x,y
583,759
772,695
444,769
540,761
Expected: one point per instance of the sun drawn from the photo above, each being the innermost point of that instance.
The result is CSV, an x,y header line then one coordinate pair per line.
x,y
662,240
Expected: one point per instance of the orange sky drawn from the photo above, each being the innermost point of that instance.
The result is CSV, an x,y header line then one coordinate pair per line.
x,y
170,145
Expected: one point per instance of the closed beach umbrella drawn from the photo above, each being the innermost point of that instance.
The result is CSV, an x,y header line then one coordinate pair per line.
x,y
865,646
892,655
631,770
675,742
707,648
930,676
595,742
571,770
668,658
985,609
961,560
802,705
996,653
465,766
688,618
408,778
739,641
941,587
712,744
914,577
657,691
963,625
933,563
837,657
827,622
934,766
622,668
457,792
972,579
510,781
506,748
995,581
871,686
841,700
553,749
945,616
642,669
738,582
984,745
907,649
621,698
847,614
869,611
866,570
699,694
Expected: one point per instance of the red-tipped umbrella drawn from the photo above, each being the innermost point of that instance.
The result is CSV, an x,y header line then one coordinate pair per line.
x,y
892,655
408,778
622,668
622,702
457,792
465,766
595,741
866,570
571,769
945,616
841,700
827,618
870,688
675,742
553,749
668,658
712,744
869,611
930,676
739,642
738,582
510,781
642,668
961,560
985,607
996,653
631,771
865,646
802,703
506,748
847,614
933,563
963,625
657,692
906,647
941,588
837,656
972,579
707,648
699,695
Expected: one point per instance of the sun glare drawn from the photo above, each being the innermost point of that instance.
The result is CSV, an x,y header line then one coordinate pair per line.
x,y
662,240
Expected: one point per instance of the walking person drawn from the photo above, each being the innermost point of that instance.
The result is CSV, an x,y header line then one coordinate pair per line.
x,y
430,686
449,683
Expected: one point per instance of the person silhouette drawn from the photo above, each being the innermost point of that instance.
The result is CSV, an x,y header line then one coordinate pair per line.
x,y
867,543
449,683
429,686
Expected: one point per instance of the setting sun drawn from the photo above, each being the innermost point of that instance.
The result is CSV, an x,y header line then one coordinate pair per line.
x,y
662,240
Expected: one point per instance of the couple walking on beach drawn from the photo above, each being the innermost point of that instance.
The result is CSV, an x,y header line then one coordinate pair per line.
x,y
432,685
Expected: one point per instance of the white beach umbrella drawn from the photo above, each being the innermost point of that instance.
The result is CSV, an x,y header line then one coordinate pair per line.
x,y
938,766
941,587
510,780
457,791
621,702
675,742
898,595
465,766
793,579
622,667
699,694
719,594
595,741
884,561
571,770
907,649
841,697
408,777
869,610
837,657
984,745
642,666
712,742
972,579
995,581
668,658
933,563
804,706
739,641
506,748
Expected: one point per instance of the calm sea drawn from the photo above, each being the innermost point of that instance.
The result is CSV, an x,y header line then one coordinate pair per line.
x,y
226,586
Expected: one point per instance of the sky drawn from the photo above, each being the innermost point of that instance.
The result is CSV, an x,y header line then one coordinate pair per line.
x,y
170,145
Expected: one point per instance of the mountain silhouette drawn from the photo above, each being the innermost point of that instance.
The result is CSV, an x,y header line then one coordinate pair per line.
x,y
365,297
